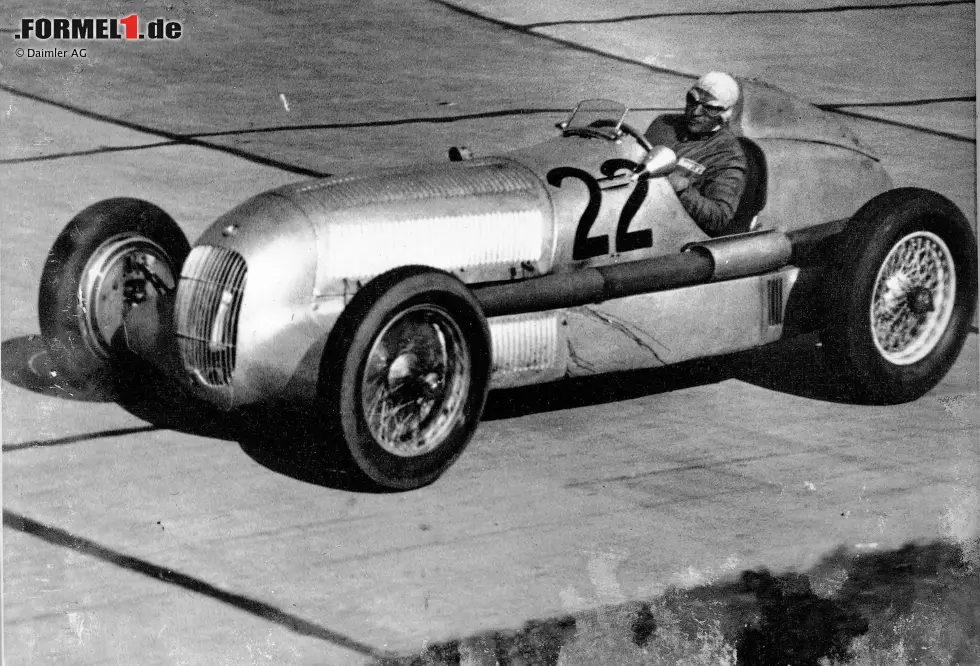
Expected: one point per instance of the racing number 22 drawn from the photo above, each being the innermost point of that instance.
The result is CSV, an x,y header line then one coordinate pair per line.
x,y
585,246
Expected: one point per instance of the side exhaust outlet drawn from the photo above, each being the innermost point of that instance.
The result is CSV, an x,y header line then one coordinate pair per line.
x,y
744,254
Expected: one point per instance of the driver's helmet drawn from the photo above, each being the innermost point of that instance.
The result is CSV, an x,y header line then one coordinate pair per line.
x,y
723,88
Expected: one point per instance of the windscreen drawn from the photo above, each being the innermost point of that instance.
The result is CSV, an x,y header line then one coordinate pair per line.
x,y
597,114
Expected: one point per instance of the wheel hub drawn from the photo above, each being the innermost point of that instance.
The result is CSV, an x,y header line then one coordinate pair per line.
x,y
402,368
408,380
896,288
115,280
134,291
920,301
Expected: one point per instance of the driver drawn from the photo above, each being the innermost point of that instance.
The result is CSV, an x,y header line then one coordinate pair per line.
x,y
712,166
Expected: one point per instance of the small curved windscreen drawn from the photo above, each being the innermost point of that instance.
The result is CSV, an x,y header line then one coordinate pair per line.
x,y
596,117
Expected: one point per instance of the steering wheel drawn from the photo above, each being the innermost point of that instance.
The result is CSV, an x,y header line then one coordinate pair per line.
x,y
639,138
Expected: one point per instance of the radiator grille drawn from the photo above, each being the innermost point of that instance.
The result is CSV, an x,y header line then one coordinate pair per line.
x,y
774,298
209,301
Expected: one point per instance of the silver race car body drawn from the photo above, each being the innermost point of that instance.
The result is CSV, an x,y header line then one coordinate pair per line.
x,y
568,258
303,250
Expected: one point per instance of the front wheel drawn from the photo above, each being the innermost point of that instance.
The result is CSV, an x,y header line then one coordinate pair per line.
x,y
902,296
115,255
405,375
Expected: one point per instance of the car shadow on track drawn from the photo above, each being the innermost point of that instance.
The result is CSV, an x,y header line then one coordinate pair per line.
x,y
25,363
292,441
282,438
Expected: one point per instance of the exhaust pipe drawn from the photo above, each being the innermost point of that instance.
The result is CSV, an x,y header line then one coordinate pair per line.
x,y
593,285
744,254
697,263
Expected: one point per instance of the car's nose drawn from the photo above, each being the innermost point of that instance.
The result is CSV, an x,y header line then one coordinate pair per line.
x,y
248,279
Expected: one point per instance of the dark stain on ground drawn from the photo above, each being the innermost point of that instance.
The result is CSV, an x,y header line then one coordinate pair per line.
x,y
538,642
770,619
795,625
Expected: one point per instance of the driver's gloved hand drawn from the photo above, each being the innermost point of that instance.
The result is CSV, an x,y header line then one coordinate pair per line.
x,y
678,181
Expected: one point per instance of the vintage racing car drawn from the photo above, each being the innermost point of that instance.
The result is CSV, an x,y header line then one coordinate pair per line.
x,y
394,300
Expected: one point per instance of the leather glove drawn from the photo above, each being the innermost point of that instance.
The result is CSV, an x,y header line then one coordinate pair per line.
x,y
678,181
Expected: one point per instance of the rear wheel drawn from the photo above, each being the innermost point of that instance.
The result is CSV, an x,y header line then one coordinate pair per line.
x,y
405,375
902,296
113,256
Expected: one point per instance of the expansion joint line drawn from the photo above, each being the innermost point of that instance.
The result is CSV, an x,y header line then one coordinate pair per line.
x,y
177,138
528,30
834,9
62,538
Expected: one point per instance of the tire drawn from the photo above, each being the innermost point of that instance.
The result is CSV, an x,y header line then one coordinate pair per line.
x,y
405,374
908,259
89,281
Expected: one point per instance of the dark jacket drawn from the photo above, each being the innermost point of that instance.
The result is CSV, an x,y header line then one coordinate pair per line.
x,y
716,165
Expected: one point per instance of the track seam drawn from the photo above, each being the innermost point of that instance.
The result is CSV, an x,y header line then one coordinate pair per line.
x,y
260,609
747,12
435,120
907,102
896,123
194,140
85,153
181,139
72,439
575,46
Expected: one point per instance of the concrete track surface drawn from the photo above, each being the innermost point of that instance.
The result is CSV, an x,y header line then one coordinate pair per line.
x,y
150,531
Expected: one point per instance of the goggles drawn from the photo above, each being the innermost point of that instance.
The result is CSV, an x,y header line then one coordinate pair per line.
x,y
711,110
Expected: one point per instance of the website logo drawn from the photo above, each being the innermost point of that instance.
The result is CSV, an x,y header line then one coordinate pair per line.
x,y
98,29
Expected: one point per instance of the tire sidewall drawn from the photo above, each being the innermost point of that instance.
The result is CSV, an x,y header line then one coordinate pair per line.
x,y
346,357
63,273
870,237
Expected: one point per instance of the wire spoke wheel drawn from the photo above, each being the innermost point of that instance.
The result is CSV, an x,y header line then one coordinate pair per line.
x,y
415,381
115,279
913,298
404,376
901,296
